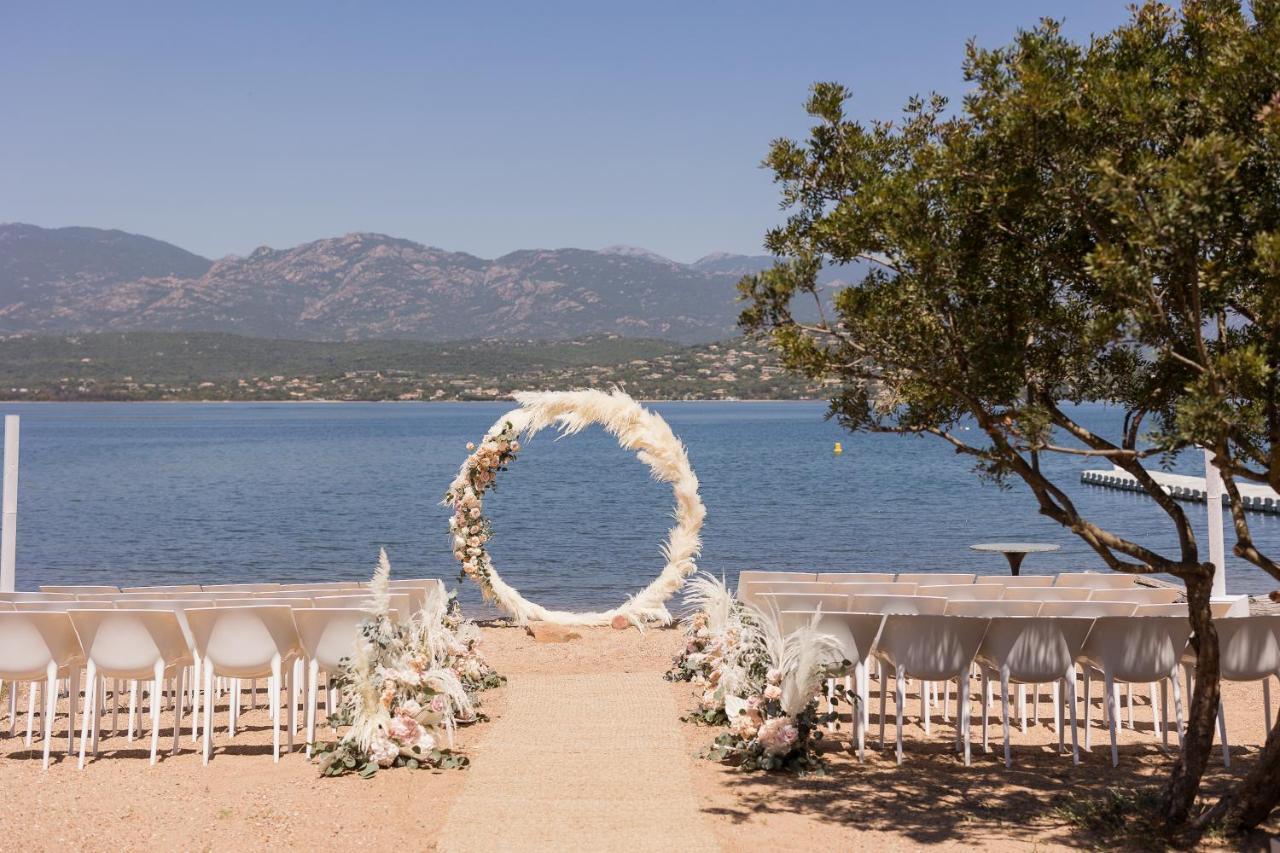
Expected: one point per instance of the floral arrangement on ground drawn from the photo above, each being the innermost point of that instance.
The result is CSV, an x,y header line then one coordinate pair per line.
x,y
406,687
757,680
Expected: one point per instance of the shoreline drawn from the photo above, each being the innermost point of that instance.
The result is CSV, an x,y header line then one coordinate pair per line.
x,y
5,402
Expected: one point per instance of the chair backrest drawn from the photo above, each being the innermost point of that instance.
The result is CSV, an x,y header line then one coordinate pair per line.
x,y
177,606
232,600
1050,593
935,578
930,647
963,592
401,603
243,639
1087,609
756,588
238,587
30,641
328,634
885,588
1249,647
751,575
1137,649
855,632
61,606
128,643
855,577
1035,649
330,585
78,589
1011,582
1138,595
7,605
898,604
1095,580
36,596
97,596
173,587
777,602
1159,610
420,583
992,609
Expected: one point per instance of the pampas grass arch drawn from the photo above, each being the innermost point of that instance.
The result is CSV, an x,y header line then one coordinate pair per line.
x,y
636,428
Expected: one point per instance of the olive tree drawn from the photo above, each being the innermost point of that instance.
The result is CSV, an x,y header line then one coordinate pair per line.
x,y
1096,223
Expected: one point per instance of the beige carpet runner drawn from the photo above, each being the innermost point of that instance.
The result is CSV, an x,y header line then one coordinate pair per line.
x,y
581,762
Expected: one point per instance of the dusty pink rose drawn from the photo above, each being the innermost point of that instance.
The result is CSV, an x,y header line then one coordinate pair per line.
x,y
773,691
778,736
383,750
474,512
774,676
404,729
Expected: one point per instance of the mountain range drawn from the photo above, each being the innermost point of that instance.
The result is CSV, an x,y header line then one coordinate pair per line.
x,y
362,286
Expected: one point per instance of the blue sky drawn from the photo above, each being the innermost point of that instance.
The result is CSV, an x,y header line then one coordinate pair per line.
x,y
477,127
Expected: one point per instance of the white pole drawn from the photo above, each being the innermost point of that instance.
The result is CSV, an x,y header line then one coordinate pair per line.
x,y
9,526
1213,497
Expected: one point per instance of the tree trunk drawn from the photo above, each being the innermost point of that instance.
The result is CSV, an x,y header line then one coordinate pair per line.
x,y
1180,791
1252,801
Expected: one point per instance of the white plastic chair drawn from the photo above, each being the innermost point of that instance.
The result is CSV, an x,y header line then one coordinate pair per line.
x,y
750,591
935,578
855,577
78,589
328,635
963,592
173,587
1095,580
1138,595
134,645
328,585
238,587
779,602
1015,581
1134,650
751,575
930,648
402,608
1047,594
41,648
36,596
1248,650
899,604
885,588
247,642
992,609
1035,650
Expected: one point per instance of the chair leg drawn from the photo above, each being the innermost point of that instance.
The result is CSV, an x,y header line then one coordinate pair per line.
x,y
1057,705
208,710
860,713
233,696
925,690
986,702
1071,697
197,676
1266,704
313,673
1164,709
1035,705
50,705
115,705
1004,714
90,707
962,713
13,707
1113,698
289,693
155,710
1128,702
181,693
1177,704
73,701
1088,709
900,698
883,696
1222,735
31,713
1022,706
133,708
274,702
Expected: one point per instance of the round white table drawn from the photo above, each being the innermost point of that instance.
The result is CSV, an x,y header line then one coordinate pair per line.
x,y
1014,552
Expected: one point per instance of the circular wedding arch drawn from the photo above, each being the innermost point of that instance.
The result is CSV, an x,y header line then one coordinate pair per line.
x,y
636,428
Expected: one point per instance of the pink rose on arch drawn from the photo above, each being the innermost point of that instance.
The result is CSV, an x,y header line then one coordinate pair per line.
x,y
773,691
778,736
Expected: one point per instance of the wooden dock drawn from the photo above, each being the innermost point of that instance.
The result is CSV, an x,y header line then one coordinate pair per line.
x,y
1255,498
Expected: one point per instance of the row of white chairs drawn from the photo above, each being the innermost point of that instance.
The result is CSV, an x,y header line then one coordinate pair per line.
x,y
833,594
1093,580
1031,643
46,643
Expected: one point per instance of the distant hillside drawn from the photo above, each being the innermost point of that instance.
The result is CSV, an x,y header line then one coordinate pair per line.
x,y
216,366
361,286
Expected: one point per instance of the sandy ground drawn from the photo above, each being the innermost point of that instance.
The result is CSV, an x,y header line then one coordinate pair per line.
x,y
242,799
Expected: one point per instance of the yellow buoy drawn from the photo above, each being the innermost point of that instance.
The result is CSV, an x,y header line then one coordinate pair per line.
x,y
838,449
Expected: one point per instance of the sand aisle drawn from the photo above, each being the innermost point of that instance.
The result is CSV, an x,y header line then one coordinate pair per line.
x,y
581,762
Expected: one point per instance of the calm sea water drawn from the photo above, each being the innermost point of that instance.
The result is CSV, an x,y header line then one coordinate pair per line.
x,y
138,493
